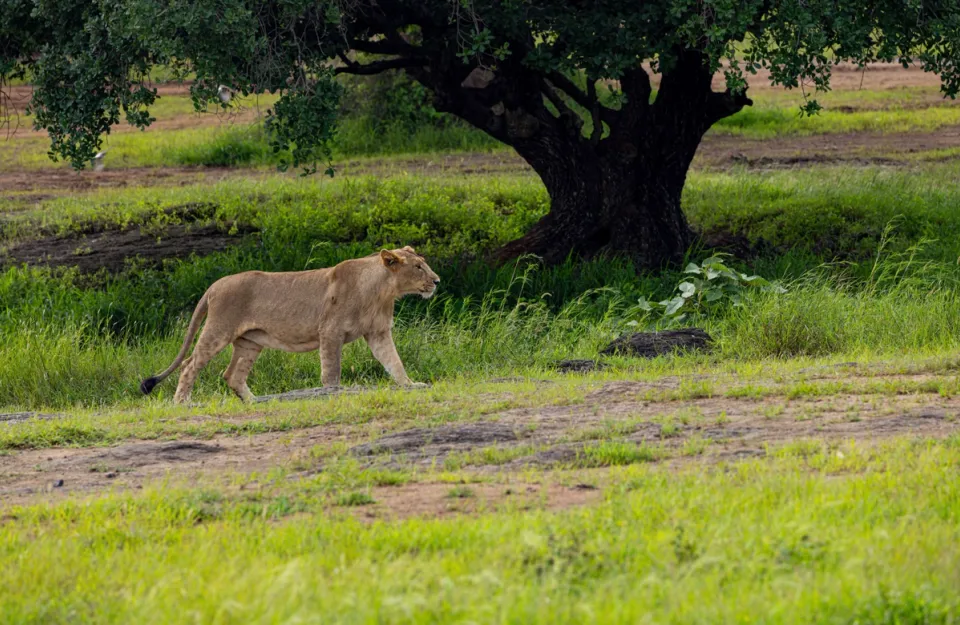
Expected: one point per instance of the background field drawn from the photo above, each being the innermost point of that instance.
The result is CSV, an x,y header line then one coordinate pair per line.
x,y
803,470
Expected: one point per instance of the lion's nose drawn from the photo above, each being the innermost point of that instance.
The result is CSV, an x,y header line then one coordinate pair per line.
x,y
436,282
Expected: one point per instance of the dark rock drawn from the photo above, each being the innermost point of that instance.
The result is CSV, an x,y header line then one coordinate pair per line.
x,y
653,344
58,484
578,365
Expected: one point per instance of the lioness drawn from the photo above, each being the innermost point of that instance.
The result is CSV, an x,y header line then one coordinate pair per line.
x,y
301,311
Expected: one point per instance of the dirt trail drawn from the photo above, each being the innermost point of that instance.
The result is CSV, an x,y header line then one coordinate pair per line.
x,y
554,437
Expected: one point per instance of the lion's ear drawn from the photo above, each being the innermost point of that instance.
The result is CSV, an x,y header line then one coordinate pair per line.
x,y
409,249
389,259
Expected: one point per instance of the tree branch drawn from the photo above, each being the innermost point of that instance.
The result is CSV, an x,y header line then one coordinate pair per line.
x,y
636,86
588,100
392,47
376,67
594,111
555,99
726,103
567,86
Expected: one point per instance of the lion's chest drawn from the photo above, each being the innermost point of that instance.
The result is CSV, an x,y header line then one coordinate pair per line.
x,y
351,320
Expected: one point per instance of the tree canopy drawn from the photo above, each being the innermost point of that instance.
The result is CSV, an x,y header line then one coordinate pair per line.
x,y
524,71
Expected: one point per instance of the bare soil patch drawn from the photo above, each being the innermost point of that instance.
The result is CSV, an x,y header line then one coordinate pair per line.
x,y
49,473
712,429
17,184
434,499
438,441
893,149
715,152
113,250
21,187
94,246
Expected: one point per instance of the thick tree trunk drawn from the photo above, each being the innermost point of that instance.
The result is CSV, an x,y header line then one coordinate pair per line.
x,y
619,204
618,194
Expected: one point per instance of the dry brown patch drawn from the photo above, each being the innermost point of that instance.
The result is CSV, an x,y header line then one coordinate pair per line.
x,y
705,429
436,500
57,181
31,474
112,250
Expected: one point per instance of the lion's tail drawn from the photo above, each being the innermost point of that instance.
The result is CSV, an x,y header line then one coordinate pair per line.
x,y
198,314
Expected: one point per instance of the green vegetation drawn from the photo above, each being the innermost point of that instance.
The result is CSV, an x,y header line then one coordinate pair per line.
x,y
355,499
614,453
226,142
803,470
80,339
869,537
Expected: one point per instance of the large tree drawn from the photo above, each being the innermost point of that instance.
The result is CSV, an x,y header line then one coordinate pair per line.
x,y
566,83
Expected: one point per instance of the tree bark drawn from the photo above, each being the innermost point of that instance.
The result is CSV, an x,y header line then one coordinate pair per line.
x,y
617,195
621,195
619,204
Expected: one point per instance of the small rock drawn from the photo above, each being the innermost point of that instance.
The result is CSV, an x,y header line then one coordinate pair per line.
x,y
58,484
584,486
111,475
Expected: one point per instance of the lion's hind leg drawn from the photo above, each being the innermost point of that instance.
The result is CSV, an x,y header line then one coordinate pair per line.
x,y
245,353
208,346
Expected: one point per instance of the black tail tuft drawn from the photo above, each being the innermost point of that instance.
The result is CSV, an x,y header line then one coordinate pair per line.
x,y
147,385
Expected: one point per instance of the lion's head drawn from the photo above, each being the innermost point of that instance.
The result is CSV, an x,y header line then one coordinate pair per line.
x,y
411,272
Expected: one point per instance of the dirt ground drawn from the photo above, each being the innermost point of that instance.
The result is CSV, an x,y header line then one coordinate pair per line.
x,y
705,431
112,250
96,247
25,187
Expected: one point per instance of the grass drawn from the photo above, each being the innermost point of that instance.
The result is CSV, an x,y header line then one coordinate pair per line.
x,y
768,122
79,340
355,499
808,530
615,453
877,544
237,143
461,492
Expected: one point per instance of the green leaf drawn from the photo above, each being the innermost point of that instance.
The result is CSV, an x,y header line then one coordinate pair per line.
x,y
692,268
687,289
713,295
674,305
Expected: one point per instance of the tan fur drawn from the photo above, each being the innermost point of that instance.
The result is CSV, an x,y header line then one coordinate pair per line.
x,y
322,309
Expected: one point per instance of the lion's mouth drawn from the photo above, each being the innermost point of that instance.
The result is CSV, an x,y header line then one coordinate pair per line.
x,y
428,292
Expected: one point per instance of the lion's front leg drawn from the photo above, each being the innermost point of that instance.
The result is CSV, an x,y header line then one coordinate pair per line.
x,y
381,344
330,353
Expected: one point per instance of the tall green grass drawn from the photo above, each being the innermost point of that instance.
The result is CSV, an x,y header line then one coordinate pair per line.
x,y
72,339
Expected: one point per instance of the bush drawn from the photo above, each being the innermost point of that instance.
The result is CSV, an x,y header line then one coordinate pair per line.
x,y
388,100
